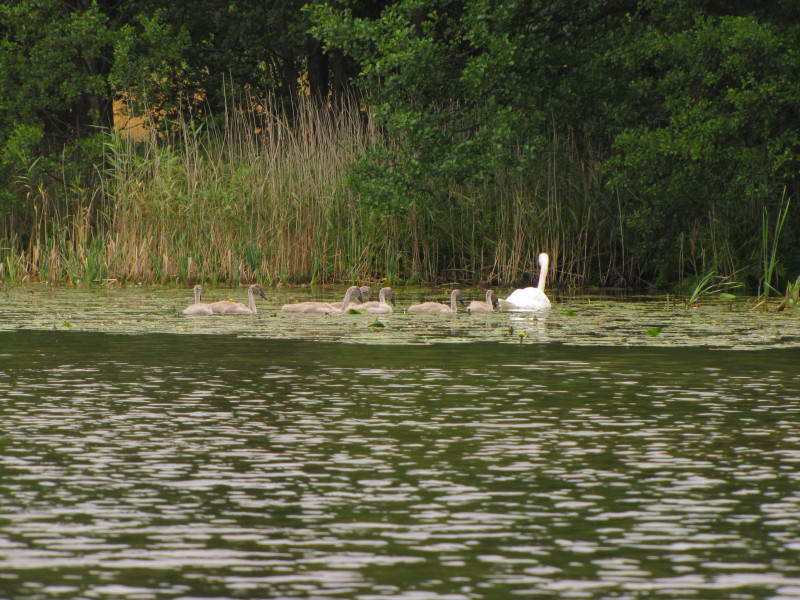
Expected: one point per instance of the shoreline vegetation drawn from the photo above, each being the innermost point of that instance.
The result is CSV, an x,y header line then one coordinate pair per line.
x,y
262,196
653,147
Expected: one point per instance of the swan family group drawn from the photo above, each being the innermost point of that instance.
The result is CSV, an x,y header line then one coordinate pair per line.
x,y
530,298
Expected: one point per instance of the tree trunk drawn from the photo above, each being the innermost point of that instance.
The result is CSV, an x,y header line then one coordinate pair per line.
x,y
318,75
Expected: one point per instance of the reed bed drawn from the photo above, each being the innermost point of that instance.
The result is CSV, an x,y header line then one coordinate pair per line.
x,y
262,196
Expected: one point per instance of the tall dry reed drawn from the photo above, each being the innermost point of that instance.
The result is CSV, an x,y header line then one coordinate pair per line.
x,y
262,196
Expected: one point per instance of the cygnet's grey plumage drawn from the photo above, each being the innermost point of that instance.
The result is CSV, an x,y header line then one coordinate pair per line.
x,y
198,308
228,307
438,307
325,307
488,306
381,306
366,291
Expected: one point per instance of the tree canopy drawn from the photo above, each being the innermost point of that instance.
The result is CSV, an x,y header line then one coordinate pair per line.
x,y
687,112
62,64
688,109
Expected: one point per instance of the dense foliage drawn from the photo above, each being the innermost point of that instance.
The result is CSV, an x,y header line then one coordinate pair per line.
x,y
689,111
63,63
673,128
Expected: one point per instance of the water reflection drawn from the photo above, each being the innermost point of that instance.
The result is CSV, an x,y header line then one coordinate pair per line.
x,y
178,466
530,326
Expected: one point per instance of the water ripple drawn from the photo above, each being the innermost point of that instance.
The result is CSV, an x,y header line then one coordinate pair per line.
x,y
183,468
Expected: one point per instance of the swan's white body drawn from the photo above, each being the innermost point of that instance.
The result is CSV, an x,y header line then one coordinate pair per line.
x,y
228,307
366,291
325,307
198,308
530,298
438,307
381,306
478,306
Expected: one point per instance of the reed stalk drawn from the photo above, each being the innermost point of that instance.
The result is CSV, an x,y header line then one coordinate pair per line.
x,y
262,196
769,246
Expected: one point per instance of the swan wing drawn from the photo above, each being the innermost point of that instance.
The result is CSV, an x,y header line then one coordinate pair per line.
x,y
476,306
429,307
198,309
522,296
529,298
380,309
226,307
299,307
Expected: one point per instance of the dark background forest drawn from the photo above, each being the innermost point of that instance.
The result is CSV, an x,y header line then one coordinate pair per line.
x,y
639,142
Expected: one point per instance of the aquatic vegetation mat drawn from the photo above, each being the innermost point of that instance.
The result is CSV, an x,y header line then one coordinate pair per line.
x,y
582,320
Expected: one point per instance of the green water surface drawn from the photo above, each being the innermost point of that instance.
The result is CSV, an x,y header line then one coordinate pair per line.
x,y
594,320
145,454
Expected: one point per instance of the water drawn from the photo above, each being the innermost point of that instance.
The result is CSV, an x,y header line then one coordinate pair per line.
x,y
403,466
584,320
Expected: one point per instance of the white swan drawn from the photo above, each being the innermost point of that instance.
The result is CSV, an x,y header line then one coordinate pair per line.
x,y
228,307
198,308
488,306
438,307
366,291
530,298
381,306
325,307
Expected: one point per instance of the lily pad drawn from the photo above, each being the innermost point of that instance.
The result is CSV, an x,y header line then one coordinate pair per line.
x,y
584,320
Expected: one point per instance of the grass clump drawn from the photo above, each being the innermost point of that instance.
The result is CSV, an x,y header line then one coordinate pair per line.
x,y
792,296
711,285
769,247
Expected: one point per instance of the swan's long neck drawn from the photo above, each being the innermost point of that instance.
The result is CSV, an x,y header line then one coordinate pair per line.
x,y
489,294
543,264
251,301
453,298
198,294
347,297
382,296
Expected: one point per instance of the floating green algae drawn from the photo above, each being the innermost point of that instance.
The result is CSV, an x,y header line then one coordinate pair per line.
x,y
580,320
